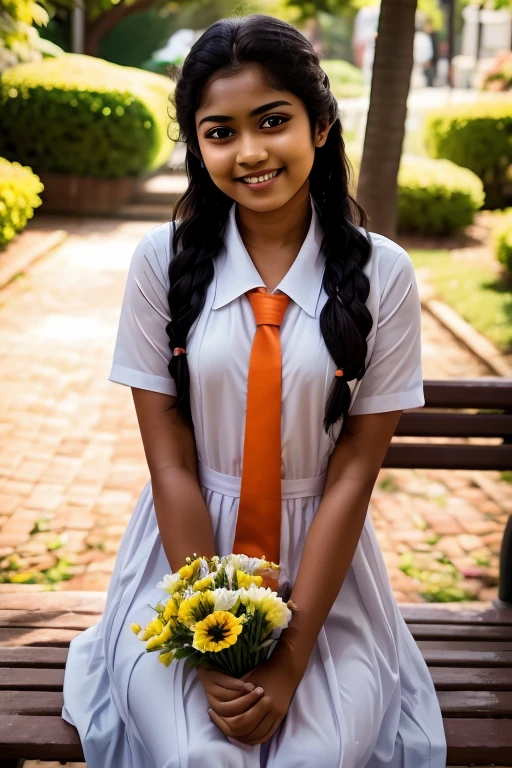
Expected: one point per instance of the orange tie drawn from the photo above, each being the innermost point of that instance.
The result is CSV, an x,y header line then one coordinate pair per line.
x,y
258,528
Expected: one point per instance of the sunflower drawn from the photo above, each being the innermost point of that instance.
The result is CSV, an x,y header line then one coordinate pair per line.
x,y
217,631
196,607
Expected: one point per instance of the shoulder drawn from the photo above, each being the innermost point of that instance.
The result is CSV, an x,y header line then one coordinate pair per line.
x,y
154,251
389,263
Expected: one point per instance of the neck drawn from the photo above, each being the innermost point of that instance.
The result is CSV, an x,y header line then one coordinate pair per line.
x,y
274,238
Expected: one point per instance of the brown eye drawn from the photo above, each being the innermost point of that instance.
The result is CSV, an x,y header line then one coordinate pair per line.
x,y
275,117
210,135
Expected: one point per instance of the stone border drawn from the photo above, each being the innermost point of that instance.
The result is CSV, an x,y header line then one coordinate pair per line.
x,y
478,344
19,263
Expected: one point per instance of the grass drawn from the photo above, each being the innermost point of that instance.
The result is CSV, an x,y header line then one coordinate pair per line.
x,y
473,290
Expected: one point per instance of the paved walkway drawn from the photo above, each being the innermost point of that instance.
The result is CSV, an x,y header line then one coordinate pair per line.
x,y
71,459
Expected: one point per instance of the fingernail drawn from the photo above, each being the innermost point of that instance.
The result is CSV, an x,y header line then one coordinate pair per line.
x,y
259,690
249,686
210,709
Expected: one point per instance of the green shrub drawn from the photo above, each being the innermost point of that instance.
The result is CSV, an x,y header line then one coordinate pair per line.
x,y
477,137
81,115
19,195
502,239
435,197
345,79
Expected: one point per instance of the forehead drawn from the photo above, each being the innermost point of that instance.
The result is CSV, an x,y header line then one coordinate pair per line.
x,y
239,93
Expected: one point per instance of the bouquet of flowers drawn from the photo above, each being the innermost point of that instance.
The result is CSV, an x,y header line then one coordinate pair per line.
x,y
222,610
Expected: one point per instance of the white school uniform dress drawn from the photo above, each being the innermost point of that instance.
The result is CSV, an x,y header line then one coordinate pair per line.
x,y
366,698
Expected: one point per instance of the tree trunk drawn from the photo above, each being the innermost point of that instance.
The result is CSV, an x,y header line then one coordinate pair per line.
x,y
385,127
96,30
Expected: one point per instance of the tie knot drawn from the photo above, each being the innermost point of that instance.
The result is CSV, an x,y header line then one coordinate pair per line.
x,y
268,308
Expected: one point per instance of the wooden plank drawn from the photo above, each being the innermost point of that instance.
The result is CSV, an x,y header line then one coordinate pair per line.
x,y
31,703
474,703
474,740
54,637
455,645
435,614
33,656
468,658
53,619
30,679
75,601
39,738
485,632
450,456
471,679
486,392
428,424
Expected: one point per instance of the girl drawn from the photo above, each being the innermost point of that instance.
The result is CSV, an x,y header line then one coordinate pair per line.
x,y
267,207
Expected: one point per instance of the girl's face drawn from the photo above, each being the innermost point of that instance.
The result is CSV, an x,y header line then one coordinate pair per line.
x,y
248,130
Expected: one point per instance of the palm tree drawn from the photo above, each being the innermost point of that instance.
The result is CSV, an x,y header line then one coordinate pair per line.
x,y
385,127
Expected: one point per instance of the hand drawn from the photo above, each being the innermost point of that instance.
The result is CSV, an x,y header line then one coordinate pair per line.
x,y
227,695
279,679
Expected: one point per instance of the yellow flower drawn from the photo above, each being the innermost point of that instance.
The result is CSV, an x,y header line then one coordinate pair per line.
x,y
188,571
162,638
166,657
217,631
276,613
246,579
202,584
21,578
153,628
171,608
196,607
136,628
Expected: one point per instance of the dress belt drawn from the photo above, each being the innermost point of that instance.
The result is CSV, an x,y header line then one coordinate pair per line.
x,y
229,485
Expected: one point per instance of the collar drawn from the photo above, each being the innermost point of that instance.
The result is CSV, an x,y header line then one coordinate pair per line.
x,y
236,273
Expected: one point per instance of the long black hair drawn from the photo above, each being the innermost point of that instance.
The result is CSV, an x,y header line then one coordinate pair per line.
x,y
289,63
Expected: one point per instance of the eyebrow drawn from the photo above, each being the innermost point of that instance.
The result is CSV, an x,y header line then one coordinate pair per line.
x,y
257,111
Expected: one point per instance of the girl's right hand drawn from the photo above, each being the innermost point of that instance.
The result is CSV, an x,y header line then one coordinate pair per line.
x,y
227,696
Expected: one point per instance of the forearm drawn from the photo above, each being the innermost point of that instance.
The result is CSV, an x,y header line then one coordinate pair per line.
x,y
182,515
327,554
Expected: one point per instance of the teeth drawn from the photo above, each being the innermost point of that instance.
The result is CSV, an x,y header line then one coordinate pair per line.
x,y
259,179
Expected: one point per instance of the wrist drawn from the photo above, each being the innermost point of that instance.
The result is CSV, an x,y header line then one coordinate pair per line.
x,y
291,656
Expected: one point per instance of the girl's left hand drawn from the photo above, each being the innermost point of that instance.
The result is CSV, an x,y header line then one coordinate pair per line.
x,y
279,680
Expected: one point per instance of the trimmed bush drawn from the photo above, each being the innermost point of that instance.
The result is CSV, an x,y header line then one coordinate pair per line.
x,y
502,239
81,115
477,137
435,197
19,195
345,79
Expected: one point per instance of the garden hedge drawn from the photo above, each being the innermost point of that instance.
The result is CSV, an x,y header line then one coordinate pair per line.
x,y
81,115
502,239
477,137
345,79
19,195
435,197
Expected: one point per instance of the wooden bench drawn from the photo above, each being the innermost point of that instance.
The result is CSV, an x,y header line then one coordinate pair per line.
x,y
468,649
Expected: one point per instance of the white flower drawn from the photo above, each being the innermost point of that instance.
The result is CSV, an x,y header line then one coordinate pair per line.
x,y
244,563
225,598
168,581
203,568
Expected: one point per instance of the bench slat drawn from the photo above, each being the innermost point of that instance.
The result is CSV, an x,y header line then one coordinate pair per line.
x,y
50,637
471,679
33,656
428,424
53,619
431,613
475,703
485,392
31,703
486,632
39,738
472,740
454,645
75,601
437,456
20,679
468,658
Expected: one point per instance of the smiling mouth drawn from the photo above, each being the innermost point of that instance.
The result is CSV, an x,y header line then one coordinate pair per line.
x,y
259,179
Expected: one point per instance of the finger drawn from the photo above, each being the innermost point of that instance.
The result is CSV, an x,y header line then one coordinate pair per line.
x,y
246,723
239,705
219,722
225,681
260,734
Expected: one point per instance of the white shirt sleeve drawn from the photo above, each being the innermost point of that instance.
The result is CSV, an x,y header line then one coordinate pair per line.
x,y
142,352
393,380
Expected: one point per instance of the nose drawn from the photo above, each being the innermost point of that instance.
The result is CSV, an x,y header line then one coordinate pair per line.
x,y
251,151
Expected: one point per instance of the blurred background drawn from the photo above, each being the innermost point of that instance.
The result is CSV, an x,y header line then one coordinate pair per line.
x,y
88,165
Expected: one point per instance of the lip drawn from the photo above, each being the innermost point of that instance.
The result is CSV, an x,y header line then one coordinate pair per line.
x,y
258,173
262,184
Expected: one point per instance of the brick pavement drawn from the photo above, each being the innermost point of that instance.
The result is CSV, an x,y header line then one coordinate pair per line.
x,y
71,459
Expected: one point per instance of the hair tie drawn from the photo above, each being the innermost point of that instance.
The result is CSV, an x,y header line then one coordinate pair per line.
x,y
179,351
339,372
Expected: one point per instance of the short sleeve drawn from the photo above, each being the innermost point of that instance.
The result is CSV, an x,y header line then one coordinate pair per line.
x,y
141,352
393,380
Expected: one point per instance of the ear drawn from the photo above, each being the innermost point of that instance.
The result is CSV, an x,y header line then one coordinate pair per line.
x,y
322,131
